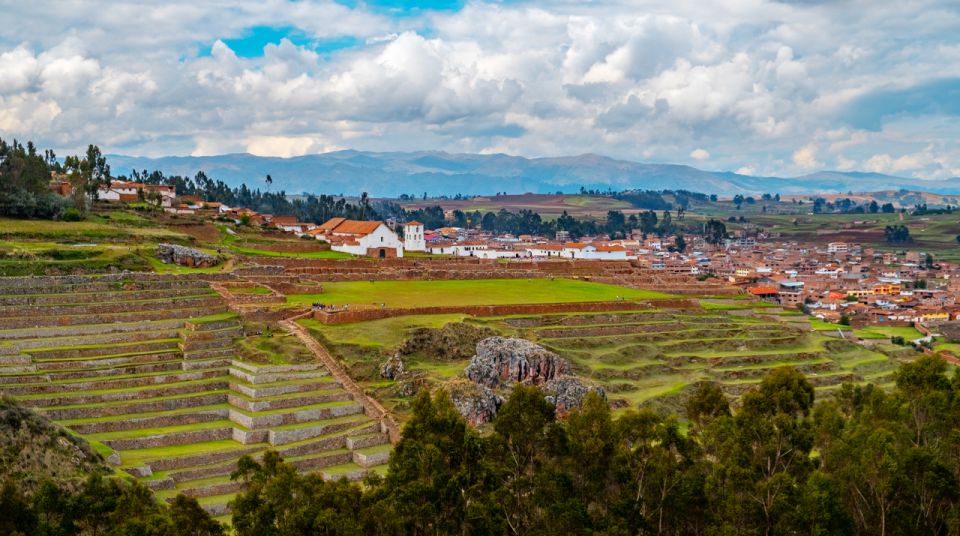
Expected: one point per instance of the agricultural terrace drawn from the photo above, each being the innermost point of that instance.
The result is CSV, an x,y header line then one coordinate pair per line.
x,y
471,292
172,387
642,357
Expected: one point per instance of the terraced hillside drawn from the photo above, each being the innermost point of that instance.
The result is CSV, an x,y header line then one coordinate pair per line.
x,y
644,355
148,370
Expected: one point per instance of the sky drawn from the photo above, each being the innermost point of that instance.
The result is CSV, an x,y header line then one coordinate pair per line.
x,y
755,86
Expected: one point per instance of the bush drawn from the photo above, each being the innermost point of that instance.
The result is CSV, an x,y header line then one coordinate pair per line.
x,y
71,214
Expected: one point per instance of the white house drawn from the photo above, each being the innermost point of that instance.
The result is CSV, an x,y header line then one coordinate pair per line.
x,y
545,250
368,238
413,237
129,192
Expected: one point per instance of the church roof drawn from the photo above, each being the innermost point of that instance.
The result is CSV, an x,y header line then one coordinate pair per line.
x,y
343,226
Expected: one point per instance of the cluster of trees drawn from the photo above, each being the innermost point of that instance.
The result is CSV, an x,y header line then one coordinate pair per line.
x,y
865,462
100,506
310,208
848,206
897,234
25,176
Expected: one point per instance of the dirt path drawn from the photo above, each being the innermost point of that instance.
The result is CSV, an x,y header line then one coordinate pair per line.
x,y
372,407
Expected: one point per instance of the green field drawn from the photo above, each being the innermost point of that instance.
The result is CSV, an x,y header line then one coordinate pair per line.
x,y
470,292
885,332
329,254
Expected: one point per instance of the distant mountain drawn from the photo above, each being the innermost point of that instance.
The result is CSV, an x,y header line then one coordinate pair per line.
x,y
440,173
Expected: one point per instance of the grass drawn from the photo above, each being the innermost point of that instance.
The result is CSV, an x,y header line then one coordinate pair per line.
x,y
328,254
819,325
218,317
886,332
95,228
470,292
250,290
386,332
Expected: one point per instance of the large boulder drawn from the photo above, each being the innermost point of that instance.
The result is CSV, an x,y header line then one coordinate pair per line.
x,y
501,361
477,404
567,394
184,256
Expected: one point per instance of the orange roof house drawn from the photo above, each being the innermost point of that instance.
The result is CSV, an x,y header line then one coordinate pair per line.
x,y
762,291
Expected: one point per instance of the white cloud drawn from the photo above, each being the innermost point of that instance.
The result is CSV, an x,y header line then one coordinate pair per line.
x,y
755,85
806,157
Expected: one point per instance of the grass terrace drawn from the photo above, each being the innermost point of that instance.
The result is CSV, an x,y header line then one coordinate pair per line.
x,y
886,332
471,292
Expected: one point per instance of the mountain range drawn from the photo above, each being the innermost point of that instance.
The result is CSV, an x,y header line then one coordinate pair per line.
x,y
391,174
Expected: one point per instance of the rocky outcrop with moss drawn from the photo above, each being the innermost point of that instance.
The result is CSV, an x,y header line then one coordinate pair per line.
x,y
453,341
501,361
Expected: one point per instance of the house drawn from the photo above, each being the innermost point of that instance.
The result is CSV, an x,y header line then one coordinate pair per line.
x,y
369,238
127,191
764,293
545,250
291,225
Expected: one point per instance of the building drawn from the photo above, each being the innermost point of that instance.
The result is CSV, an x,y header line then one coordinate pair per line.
x,y
837,247
368,238
413,237
129,192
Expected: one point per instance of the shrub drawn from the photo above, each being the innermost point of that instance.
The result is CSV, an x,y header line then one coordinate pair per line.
x,y
72,214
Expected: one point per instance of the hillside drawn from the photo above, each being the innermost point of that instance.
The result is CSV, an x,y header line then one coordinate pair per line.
x,y
34,448
440,173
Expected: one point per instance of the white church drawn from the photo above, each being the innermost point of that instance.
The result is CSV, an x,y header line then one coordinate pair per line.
x,y
369,238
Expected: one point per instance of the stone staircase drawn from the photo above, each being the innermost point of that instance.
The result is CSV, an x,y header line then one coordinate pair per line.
x,y
147,371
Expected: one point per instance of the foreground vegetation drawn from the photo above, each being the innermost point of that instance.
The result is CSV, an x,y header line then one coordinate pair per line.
x,y
867,462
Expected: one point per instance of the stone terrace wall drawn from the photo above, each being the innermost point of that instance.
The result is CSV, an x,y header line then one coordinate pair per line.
x,y
362,315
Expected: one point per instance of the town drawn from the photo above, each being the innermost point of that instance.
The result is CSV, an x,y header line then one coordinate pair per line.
x,y
838,282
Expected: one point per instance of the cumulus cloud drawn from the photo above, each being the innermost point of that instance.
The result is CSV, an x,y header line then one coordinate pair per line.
x,y
767,87
806,157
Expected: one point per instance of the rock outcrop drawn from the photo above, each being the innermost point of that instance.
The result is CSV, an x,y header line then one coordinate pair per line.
x,y
477,404
392,368
452,342
184,256
567,393
501,361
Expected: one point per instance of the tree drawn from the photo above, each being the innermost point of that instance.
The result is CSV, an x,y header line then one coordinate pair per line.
x,y
436,473
87,175
874,207
897,234
715,232
522,434
680,243
706,404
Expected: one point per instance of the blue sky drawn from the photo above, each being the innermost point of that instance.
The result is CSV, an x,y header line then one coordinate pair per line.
x,y
756,86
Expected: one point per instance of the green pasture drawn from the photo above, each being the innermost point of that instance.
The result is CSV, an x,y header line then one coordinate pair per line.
x,y
886,332
470,292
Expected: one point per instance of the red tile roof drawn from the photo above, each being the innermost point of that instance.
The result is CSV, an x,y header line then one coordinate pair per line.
x,y
757,291
343,226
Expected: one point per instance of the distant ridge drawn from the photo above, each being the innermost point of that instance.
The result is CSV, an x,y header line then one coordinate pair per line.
x,y
439,173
